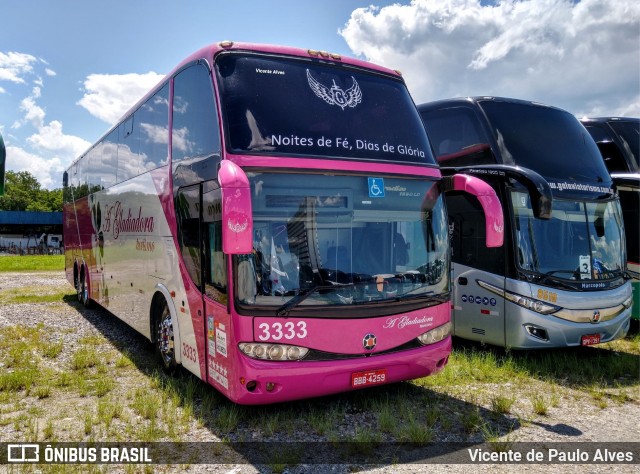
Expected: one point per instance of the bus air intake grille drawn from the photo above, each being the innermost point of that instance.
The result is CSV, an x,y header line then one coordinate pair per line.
x,y
477,331
321,355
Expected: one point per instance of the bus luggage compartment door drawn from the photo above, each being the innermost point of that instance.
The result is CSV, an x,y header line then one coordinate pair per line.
x,y
478,314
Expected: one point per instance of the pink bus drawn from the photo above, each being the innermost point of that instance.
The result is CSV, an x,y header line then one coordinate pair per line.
x,y
273,220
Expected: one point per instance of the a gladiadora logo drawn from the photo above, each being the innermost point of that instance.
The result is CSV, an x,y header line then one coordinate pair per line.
x,y
404,321
117,222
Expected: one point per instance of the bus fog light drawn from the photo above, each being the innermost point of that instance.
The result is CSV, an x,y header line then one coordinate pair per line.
x,y
251,385
273,351
537,332
435,335
270,386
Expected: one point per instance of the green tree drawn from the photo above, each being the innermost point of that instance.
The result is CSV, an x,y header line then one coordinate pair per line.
x,y
23,193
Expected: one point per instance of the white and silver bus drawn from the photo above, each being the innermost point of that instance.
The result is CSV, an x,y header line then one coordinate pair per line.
x,y
560,279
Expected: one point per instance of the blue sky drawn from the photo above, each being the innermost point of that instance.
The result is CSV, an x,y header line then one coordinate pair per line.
x,y
69,69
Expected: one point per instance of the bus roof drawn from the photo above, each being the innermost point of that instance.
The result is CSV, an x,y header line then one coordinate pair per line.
x,y
480,98
544,138
210,51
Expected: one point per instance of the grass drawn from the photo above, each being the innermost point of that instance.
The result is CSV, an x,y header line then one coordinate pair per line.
x,y
607,365
540,404
36,294
502,404
31,263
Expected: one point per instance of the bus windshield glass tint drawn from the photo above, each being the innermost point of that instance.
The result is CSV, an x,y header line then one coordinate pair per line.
x,y
344,240
582,240
282,106
545,139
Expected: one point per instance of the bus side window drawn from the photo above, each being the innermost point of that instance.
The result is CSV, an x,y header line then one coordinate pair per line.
x,y
195,154
215,273
109,159
454,130
188,216
128,149
195,121
153,121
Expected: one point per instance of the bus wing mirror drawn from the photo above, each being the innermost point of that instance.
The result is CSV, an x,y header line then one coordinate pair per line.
x,y
538,188
237,220
3,157
494,218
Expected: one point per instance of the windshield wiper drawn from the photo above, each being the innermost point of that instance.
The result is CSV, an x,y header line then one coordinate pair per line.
x,y
548,276
429,295
303,295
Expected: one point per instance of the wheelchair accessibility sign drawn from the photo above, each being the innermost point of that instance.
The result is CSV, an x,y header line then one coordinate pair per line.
x,y
376,187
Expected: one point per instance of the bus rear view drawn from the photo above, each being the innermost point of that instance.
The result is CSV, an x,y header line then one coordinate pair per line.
x,y
560,280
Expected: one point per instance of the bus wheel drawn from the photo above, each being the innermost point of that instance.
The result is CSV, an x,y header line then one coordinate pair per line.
x,y
81,288
165,347
83,291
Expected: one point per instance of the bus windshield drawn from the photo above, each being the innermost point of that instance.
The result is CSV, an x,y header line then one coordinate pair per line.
x,y
582,241
343,240
275,105
545,139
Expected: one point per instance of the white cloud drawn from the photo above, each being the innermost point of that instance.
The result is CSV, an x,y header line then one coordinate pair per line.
x,y
50,137
109,96
47,150
48,171
32,113
582,56
13,66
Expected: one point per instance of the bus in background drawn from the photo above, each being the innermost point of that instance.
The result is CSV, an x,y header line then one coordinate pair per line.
x,y
560,278
273,220
618,139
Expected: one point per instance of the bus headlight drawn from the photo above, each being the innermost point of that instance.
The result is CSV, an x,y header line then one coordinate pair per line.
x,y
435,335
524,301
273,351
531,303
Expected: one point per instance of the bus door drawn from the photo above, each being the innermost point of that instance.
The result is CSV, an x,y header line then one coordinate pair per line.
x,y
478,314
217,323
199,217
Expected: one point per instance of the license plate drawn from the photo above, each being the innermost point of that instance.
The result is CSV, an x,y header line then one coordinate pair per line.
x,y
370,377
590,339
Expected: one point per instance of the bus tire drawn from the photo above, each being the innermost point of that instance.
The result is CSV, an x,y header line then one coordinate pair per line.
x,y
164,340
83,290
81,287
